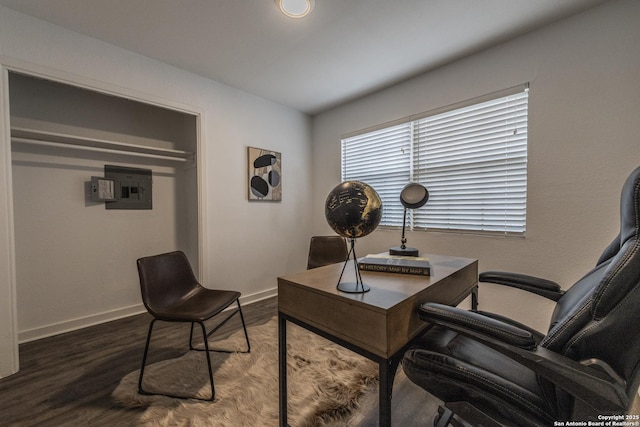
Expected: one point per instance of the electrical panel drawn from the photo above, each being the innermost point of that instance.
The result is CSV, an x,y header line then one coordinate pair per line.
x,y
102,189
132,187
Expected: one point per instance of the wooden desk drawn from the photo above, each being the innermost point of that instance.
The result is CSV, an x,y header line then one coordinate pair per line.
x,y
378,324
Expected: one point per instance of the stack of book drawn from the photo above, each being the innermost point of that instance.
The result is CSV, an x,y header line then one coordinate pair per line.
x,y
395,264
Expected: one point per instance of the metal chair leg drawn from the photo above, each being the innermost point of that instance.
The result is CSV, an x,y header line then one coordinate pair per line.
x,y
244,326
141,390
206,348
144,358
218,326
191,347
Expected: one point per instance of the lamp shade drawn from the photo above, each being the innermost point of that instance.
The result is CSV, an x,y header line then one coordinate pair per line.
x,y
414,195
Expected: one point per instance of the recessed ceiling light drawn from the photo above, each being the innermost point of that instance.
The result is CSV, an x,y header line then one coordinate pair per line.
x,y
296,8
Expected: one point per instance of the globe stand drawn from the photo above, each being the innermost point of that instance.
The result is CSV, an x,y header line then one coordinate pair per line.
x,y
356,287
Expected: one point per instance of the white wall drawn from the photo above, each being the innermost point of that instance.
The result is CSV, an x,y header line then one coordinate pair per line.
x,y
583,142
8,315
245,245
65,243
73,258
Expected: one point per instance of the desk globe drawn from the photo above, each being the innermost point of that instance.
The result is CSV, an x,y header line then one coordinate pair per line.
x,y
353,209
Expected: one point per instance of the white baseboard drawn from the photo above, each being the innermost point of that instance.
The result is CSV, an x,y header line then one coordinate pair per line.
x,y
78,323
95,319
258,296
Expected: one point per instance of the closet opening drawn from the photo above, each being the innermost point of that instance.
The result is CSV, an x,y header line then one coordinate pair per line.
x,y
75,260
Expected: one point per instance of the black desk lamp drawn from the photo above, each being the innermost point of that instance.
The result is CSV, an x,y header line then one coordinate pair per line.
x,y
412,196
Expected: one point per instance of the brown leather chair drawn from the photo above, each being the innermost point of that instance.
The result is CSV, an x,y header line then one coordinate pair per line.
x,y
171,293
325,250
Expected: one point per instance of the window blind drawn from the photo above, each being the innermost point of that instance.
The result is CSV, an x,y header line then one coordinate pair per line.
x,y
472,159
381,159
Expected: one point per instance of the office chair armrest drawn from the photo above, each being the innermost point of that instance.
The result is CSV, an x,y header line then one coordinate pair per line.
x,y
603,391
459,319
536,285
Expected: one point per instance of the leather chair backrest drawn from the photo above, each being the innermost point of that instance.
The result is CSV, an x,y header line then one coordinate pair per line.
x,y
325,250
610,251
598,317
165,279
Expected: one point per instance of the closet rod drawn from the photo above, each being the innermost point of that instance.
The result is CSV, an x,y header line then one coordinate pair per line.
x,y
98,149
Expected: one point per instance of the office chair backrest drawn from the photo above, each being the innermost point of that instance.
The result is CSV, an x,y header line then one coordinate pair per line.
x,y
598,317
165,279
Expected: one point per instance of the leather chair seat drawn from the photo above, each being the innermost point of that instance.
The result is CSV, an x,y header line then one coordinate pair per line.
x,y
200,305
462,369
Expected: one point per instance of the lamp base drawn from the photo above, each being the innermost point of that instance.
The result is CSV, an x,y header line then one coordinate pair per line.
x,y
399,250
353,287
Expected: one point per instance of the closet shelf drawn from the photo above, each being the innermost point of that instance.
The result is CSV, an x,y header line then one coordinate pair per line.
x,y
54,139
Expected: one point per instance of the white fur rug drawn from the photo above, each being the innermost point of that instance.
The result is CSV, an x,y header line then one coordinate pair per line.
x,y
325,381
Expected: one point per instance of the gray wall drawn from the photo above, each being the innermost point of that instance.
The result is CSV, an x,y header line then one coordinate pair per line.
x,y
583,142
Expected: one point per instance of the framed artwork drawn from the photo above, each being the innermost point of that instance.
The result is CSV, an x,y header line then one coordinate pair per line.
x,y
265,174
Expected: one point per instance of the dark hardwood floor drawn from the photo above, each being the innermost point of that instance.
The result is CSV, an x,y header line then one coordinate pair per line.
x,y
67,379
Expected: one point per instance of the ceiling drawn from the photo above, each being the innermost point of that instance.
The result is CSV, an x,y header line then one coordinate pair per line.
x,y
343,50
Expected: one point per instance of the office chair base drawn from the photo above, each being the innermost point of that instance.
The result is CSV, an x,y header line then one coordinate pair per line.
x,y
456,414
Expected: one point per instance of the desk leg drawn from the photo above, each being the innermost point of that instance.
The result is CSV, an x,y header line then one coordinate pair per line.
x,y
384,393
282,363
474,298
387,370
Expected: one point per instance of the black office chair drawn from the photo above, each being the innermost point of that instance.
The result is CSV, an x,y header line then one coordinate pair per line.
x,y
325,250
171,293
490,370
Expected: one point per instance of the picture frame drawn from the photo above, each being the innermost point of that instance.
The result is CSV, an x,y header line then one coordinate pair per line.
x,y
265,174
